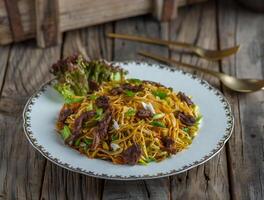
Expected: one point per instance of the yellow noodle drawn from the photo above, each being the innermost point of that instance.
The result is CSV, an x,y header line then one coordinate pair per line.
x,y
131,130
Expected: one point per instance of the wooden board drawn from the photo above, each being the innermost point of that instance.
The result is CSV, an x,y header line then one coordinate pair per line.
x,y
76,14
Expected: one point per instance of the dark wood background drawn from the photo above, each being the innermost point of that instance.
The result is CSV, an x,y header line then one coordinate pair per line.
x,y
237,172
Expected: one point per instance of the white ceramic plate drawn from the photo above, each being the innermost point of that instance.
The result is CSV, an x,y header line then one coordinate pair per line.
x,y
42,109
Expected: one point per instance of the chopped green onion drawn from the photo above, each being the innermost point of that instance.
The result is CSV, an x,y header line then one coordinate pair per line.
x,y
116,76
130,112
198,119
158,116
150,159
93,97
129,93
158,124
135,81
66,132
69,100
142,162
89,107
186,129
114,137
160,94
77,142
87,141
99,114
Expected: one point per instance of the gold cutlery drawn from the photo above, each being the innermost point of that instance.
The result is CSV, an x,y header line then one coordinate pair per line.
x,y
231,82
204,53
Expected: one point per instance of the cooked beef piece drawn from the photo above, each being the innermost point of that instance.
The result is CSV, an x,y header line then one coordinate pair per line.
x,y
154,83
102,102
94,86
185,119
78,125
143,114
101,129
79,121
132,154
116,91
183,97
133,88
64,113
168,144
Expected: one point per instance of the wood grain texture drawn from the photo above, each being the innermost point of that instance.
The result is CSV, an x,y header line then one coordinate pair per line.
x,y
245,148
59,183
197,25
78,13
4,52
125,50
15,20
28,69
21,167
47,23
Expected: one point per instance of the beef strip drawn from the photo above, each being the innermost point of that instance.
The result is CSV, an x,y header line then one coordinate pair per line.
x,y
116,91
143,114
185,98
154,83
64,113
133,88
132,154
78,125
93,85
185,119
102,102
102,128
168,144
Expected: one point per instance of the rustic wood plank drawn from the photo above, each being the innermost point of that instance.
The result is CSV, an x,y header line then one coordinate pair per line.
x,y
14,19
47,23
21,167
165,10
28,69
78,13
124,50
91,42
197,25
60,183
4,53
245,148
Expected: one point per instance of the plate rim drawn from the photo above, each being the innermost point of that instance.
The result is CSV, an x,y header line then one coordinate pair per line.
x,y
228,131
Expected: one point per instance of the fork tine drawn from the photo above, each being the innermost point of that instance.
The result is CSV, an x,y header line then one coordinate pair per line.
x,y
204,53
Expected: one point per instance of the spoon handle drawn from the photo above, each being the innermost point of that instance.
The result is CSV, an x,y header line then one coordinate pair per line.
x,y
152,41
170,61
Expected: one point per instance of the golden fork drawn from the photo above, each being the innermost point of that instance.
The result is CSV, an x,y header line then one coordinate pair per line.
x,y
231,82
204,53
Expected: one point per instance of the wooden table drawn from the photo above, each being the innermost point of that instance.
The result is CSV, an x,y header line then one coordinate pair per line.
x,y
237,172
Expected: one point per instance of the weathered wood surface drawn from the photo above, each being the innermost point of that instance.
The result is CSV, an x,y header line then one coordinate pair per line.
x,y
245,150
21,167
236,173
208,181
47,23
74,14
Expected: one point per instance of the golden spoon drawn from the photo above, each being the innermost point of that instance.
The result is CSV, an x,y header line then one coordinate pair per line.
x,y
204,53
231,82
